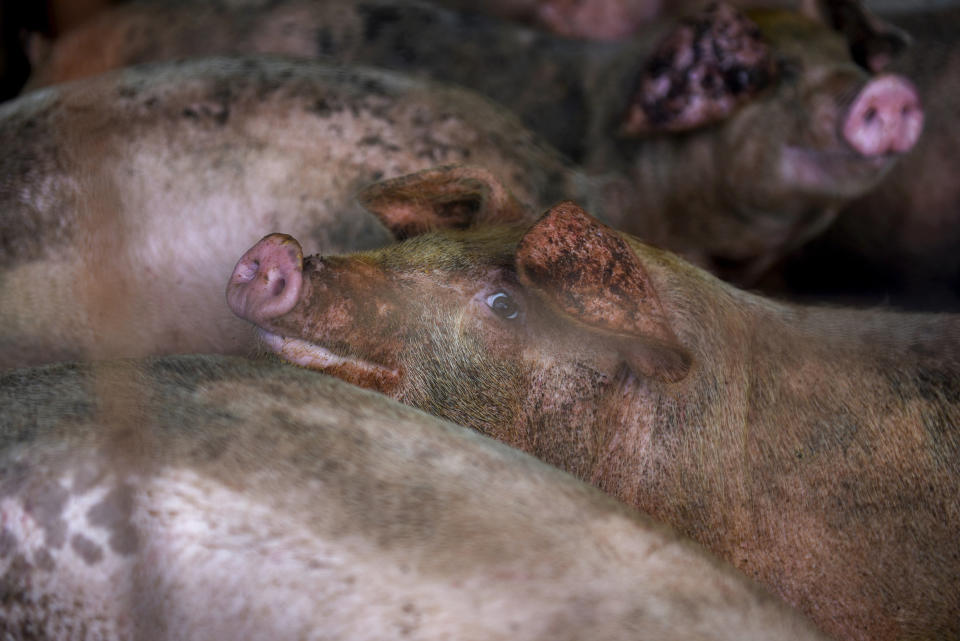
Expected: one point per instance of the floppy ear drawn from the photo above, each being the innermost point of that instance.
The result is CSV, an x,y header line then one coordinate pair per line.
x,y
446,197
700,73
874,43
588,272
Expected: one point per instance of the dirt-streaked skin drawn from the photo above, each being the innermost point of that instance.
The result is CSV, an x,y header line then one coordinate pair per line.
x,y
734,195
818,450
212,499
125,200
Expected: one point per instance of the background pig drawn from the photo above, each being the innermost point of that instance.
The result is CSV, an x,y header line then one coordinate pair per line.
x,y
816,449
902,242
122,199
208,499
780,126
26,29
617,19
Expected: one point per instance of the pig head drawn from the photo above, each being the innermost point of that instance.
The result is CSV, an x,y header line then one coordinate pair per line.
x,y
747,133
819,460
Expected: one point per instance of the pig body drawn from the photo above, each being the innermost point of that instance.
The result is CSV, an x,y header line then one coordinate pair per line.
x,y
119,197
617,19
901,243
740,143
202,498
818,450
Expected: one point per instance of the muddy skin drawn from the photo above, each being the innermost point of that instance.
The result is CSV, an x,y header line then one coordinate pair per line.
x,y
721,194
180,487
815,449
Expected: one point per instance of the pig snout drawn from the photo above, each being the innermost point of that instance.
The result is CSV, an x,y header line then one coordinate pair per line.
x,y
267,280
885,118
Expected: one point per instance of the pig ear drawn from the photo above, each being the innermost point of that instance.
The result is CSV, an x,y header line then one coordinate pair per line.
x,y
588,272
874,42
441,198
700,73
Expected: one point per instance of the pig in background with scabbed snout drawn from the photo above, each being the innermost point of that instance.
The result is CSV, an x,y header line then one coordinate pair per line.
x,y
213,499
899,243
730,139
818,450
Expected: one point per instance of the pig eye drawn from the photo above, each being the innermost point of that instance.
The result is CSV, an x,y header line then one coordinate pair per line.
x,y
503,305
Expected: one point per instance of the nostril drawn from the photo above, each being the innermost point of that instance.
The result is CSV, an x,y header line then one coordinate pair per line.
x,y
247,271
277,286
870,114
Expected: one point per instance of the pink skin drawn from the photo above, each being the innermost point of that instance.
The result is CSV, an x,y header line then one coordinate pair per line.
x,y
266,284
885,117
267,280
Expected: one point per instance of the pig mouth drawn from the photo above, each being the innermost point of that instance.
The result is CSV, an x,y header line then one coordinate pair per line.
x,y
837,170
312,356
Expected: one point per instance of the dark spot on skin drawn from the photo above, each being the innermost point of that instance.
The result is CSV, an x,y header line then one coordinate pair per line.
x,y
44,560
8,543
45,505
211,448
113,513
20,566
321,108
218,113
86,478
14,479
372,86
90,552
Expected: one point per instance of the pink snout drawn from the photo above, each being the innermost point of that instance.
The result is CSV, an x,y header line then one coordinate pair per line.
x,y
267,280
885,118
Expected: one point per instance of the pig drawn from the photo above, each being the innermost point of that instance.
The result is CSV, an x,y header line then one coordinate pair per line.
x,y
873,40
26,30
816,449
212,498
119,196
900,243
741,135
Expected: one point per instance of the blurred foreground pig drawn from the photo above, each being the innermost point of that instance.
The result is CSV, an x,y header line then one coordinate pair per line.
x,y
818,450
203,498
125,200
743,137
901,243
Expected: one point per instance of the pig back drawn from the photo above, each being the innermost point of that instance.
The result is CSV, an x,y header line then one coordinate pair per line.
x,y
125,199
160,497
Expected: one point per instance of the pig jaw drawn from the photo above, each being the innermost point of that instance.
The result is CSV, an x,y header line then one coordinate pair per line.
x,y
312,356
347,323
